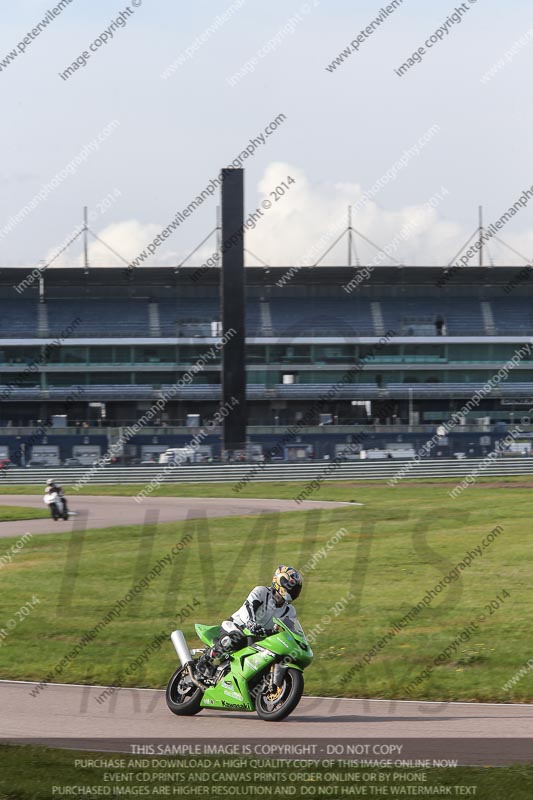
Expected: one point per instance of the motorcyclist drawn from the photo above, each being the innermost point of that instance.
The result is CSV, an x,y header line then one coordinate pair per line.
x,y
256,614
52,486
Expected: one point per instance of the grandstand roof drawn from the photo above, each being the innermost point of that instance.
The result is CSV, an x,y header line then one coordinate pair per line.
x,y
144,280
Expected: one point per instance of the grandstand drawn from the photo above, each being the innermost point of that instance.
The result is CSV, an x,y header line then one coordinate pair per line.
x,y
406,349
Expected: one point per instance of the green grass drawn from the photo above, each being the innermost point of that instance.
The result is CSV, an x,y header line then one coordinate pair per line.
x,y
397,547
12,513
56,768
329,490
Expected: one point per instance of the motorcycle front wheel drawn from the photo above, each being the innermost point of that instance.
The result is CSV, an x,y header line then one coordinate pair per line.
x,y
183,697
273,706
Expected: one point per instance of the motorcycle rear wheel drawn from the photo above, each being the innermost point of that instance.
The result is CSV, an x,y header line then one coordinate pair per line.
x,y
183,697
275,708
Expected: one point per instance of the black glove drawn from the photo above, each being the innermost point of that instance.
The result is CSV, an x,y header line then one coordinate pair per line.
x,y
256,630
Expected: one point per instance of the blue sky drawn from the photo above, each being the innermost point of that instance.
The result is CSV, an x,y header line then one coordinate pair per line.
x,y
343,129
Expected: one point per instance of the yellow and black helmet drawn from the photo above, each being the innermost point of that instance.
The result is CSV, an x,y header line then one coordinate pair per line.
x,y
287,582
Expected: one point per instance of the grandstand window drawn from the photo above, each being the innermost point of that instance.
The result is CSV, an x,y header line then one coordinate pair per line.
x,y
473,352
154,354
110,378
334,354
68,355
19,355
498,352
100,355
289,354
323,377
424,352
122,355
522,376
483,353
190,354
371,354
150,378
188,378
62,379
258,376
256,355
23,381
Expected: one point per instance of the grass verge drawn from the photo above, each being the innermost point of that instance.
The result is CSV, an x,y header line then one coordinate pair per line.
x,y
329,490
12,513
366,567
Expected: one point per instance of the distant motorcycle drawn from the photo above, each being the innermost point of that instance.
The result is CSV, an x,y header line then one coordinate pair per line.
x,y
56,504
265,675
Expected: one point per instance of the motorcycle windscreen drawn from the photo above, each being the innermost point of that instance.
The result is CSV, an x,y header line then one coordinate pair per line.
x,y
294,626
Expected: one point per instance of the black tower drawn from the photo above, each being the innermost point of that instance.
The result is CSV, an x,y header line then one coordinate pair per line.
x,y
232,292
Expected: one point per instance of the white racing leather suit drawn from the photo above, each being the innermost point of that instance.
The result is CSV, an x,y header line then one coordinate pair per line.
x,y
257,611
259,608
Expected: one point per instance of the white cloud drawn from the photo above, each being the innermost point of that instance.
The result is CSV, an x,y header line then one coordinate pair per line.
x,y
126,238
306,220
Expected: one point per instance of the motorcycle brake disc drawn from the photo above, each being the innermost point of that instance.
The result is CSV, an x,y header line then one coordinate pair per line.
x,y
273,696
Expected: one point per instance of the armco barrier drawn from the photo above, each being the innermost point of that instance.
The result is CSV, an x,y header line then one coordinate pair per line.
x,y
203,473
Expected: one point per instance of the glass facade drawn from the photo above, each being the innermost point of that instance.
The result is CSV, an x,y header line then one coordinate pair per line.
x,y
310,364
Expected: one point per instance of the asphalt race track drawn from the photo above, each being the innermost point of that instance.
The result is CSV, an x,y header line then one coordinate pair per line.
x,y
69,716
104,512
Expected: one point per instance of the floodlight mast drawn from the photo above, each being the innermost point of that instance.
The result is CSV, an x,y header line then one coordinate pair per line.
x,y
480,236
85,244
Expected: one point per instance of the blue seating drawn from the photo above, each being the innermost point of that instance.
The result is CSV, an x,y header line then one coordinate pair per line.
x,y
416,316
512,316
18,318
188,317
98,318
321,316
288,317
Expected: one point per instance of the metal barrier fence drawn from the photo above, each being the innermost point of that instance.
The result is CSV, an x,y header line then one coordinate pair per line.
x,y
249,472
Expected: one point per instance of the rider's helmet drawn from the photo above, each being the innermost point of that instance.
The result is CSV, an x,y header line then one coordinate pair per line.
x,y
287,582
50,482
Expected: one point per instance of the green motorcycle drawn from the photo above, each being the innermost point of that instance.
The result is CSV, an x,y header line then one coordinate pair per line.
x,y
265,675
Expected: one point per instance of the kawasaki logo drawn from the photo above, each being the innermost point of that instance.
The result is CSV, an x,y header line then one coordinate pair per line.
x,y
237,706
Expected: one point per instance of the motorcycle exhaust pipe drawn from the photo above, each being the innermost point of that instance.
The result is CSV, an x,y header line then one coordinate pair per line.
x,y
184,654
181,647
195,680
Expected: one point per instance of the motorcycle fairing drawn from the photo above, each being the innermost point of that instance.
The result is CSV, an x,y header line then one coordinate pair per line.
x,y
207,633
231,692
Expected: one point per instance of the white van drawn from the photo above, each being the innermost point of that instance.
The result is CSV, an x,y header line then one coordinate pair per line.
x,y
185,455
177,455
